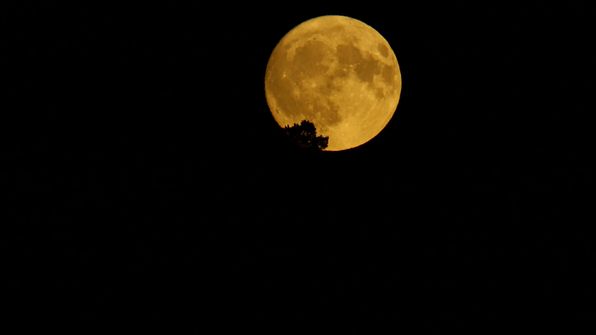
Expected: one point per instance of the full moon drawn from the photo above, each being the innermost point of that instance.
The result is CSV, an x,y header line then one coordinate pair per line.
x,y
338,73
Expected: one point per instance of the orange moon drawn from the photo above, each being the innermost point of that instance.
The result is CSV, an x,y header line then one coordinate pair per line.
x,y
338,73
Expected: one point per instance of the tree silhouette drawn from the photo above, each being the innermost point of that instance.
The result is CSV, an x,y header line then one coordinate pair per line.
x,y
305,136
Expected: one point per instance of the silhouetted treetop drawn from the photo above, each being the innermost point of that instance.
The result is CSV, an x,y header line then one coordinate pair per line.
x,y
305,136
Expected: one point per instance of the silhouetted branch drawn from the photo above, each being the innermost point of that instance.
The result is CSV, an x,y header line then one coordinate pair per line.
x,y
305,136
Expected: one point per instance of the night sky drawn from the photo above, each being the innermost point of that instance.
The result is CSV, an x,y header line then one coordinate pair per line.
x,y
149,185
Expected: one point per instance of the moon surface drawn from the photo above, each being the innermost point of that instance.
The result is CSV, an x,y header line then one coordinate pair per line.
x,y
338,73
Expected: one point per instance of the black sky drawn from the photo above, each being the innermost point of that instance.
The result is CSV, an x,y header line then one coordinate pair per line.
x,y
149,184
